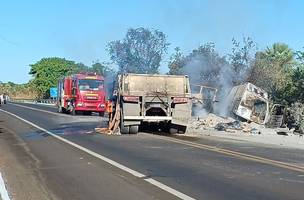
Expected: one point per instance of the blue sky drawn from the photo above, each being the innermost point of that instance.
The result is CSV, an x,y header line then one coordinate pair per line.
x,y
80,30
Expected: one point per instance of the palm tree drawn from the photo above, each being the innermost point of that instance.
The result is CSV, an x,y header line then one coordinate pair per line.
x,y
279,53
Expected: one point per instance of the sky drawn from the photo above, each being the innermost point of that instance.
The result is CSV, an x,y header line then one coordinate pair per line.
x,y
80,30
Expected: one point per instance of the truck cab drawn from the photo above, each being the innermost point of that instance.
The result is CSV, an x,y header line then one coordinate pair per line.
x,y
82,93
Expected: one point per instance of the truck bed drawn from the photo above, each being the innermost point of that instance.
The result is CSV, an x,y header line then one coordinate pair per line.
x,y
147,84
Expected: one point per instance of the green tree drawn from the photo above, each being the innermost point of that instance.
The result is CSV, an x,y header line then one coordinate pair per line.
x,y
99,68
176,62
141,50
47,71
18,91
80,67
273,70
300,56
279,53
241,58
298,78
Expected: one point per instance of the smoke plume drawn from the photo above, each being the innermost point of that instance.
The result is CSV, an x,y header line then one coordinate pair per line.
x,y
214,71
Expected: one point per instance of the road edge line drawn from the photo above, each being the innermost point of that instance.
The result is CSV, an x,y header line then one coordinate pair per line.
x,y
105,159
3,191
36,109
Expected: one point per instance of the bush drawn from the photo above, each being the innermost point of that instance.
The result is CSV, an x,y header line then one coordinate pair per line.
x,y
296,116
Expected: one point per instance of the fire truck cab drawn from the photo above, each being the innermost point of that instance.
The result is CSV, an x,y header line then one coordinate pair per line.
x,y
83,92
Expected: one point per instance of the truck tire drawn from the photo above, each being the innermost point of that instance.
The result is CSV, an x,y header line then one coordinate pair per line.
x,y
177,129
134,129
182,129
64,110
61,110
173,130
124,129
101,114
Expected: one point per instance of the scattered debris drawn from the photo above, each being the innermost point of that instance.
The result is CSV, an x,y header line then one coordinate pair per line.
x,y
282,133
278,115
236,125
107,131
255,131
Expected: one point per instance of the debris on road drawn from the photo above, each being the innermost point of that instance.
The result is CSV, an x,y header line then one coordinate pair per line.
x,y
214,122
106,131
235,125
249,107
255,131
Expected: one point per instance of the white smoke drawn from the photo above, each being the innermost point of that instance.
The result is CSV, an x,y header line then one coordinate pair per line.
x,y
110,78
202,72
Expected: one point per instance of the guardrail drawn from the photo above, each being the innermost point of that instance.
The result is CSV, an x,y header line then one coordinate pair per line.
x,y
40,101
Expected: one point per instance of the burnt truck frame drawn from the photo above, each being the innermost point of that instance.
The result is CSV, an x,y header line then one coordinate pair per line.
x,y
250,103
153,98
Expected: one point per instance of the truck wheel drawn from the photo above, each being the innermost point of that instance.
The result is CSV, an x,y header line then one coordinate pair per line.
x,y
173,130
124,129
64,110
134,129
101,114
182,129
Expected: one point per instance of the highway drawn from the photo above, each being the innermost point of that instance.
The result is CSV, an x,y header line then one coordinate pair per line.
x,y
70,161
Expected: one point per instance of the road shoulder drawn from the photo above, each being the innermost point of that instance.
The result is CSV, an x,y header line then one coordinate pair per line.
x,y
19,169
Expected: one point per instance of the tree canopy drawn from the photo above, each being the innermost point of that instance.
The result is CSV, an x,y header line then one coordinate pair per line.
x,y
273,71
176,63
47,71
141,51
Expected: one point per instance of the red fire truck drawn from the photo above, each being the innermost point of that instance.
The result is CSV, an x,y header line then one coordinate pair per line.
x,y
83,93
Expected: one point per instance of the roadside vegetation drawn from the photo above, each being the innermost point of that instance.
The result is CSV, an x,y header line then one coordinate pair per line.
x,y
278,69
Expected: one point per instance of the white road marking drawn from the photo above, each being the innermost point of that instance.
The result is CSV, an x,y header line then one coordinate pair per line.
x,y
36,109
76,118
112,162
3,191
168,189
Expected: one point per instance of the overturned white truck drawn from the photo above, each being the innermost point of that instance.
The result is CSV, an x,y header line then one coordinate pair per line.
x,y
153,99
249,102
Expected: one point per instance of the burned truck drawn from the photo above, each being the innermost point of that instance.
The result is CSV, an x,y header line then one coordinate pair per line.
x,y
249,102
145,98
203,99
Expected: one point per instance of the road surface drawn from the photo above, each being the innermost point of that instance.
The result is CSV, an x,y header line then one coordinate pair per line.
x,y
80,164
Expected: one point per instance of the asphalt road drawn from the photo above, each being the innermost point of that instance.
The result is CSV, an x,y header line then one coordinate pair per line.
x,y
196,171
